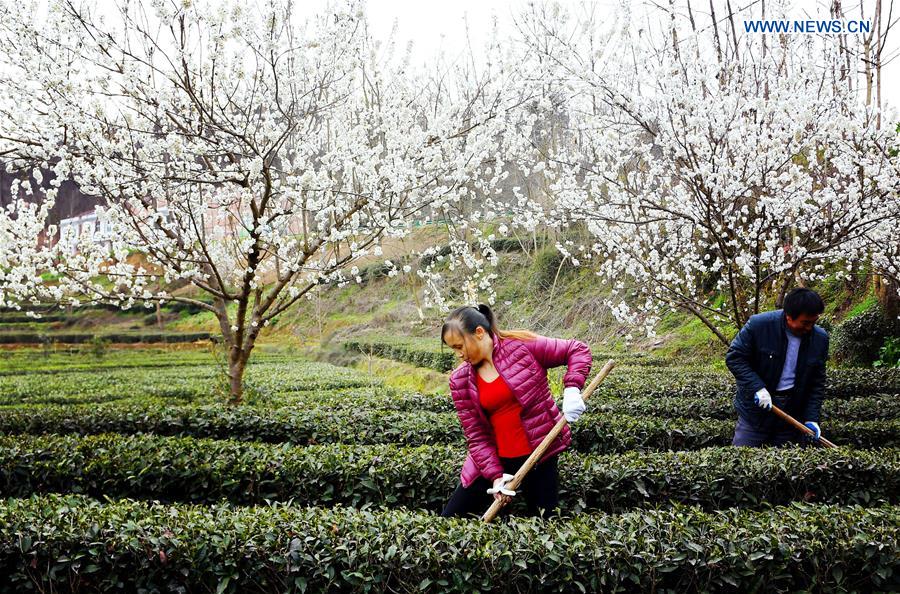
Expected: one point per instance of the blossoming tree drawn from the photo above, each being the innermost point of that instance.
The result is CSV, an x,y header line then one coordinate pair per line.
x,y
714,165
234,149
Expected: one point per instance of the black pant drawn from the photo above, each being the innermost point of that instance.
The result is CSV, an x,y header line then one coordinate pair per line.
x,y
746,434
540,488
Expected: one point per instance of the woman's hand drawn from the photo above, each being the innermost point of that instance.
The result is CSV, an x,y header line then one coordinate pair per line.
x,y
499,490
573,404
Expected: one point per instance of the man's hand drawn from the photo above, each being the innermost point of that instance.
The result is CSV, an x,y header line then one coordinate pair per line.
x,y
763,399
573,404
817,433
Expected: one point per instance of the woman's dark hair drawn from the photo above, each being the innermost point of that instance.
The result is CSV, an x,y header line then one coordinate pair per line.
x,y
465,320
803,301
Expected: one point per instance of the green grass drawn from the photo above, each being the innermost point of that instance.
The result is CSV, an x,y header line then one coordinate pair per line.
x,y
692,340
403,376
863,306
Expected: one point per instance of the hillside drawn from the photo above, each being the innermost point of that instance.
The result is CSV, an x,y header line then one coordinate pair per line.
x,y
537,291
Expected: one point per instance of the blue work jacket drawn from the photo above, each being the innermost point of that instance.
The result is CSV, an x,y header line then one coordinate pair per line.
x,y
756,358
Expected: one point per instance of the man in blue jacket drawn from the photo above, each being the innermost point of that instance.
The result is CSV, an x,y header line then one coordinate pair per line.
x,y
779,358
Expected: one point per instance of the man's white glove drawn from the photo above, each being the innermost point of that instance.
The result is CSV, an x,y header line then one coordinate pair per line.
x,y
500,485
763,399
573,404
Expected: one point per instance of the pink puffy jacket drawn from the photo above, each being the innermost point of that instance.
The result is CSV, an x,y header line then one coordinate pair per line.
x,y
523,365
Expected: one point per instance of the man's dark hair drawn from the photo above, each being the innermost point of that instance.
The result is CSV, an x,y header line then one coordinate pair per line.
x,y
803,301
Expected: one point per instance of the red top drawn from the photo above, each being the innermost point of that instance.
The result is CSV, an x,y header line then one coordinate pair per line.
x,y
504,414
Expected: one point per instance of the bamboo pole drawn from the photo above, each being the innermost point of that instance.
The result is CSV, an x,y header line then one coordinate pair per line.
x,y
538,453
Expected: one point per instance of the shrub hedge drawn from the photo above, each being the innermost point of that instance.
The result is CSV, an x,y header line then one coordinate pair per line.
x,y
303,426
74,544
428,353
607,433
600,432
77,358
206,471
24,319
80,358
414,352
872,408
121,337
639,374
65,363
190,383
628,382
856,341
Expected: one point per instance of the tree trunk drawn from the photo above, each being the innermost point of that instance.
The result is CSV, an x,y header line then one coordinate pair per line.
x,y
888,296
879,46
885,288
237,356
236,370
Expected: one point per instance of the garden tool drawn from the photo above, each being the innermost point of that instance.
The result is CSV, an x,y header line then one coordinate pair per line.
x,y
800,426
536,455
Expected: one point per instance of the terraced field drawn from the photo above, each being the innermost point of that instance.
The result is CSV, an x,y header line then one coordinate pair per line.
x,y
128,472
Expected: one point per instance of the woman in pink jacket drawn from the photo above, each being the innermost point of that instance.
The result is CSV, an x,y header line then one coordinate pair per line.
x,y
504,403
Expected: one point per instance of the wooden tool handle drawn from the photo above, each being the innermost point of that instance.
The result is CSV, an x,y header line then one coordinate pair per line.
x,y
538,453
800,426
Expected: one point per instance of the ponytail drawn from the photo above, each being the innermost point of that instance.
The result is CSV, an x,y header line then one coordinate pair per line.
x,y
466,319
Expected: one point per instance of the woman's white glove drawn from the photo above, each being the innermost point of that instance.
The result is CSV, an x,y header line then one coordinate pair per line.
x,y
573,404
500,485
